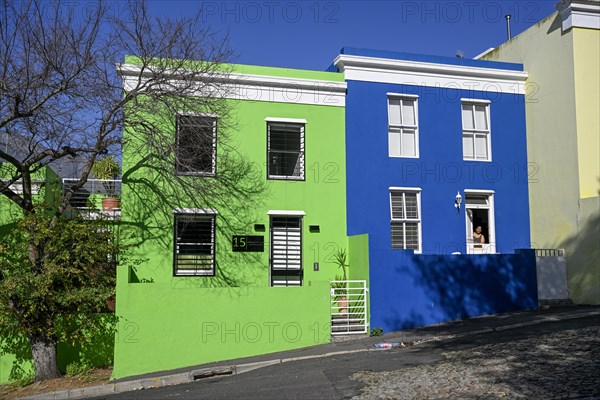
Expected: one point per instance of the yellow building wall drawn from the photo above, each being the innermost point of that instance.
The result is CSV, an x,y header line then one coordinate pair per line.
x,y
584,274
586,57
563,129
551,128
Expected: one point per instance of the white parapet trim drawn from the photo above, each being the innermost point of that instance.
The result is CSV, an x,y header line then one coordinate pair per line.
x,y
417,73
579,14
244,86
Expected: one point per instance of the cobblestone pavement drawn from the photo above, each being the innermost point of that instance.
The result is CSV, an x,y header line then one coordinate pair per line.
x,y
563,365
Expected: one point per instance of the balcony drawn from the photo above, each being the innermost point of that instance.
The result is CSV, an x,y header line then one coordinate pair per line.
x,y
95,200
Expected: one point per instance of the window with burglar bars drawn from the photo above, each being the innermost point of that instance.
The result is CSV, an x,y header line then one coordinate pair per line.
x,y
405,219
476,131
286,251
403,130
194,244
285,151
196,150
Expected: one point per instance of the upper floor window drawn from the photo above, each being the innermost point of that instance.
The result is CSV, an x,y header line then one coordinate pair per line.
x,y
476,136
196,144
403,129
194,243
405,210
285,149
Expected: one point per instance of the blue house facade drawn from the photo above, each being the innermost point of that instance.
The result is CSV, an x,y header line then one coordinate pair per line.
x,y
436,147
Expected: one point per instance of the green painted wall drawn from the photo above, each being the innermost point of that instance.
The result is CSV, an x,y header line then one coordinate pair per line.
x,y
359,257
166,327
359,263
164,318
562,143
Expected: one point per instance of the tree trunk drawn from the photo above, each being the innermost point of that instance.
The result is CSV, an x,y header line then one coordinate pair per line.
x,y
44,357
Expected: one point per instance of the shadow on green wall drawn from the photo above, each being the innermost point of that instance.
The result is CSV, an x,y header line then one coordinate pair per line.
x,y
151,194
92,348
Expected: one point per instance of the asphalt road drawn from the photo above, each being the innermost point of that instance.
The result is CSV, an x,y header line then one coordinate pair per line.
x,y
328,378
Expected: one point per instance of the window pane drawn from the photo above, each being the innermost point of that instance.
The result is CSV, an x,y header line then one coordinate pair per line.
x,y
394,138
468,146
412,212
412,236
467,116
404,233
284,164
194,250
481,118
408,112
408,143
476,200
481,147
286,150
195,144
284,139
397,205
394,112
397,234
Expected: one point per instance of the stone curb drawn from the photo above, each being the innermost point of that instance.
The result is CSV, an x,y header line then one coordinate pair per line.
x,y
199,374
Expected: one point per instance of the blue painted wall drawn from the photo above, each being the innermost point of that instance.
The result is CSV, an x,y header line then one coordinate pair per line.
x,y
409,290
440,170
415,290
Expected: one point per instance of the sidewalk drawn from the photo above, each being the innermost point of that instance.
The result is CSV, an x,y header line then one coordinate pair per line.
x,y
473,326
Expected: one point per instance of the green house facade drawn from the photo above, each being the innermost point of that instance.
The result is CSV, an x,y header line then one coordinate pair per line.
x,y
236,275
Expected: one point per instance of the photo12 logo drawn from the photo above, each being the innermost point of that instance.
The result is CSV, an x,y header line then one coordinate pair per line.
x,y
253,12
469,11
265,332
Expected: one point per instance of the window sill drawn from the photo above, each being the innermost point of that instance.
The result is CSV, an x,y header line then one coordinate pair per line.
x,y
474,160
184,274
198,174
285,178
412,157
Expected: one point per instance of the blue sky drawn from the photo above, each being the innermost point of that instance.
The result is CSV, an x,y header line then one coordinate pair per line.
x,y
309,34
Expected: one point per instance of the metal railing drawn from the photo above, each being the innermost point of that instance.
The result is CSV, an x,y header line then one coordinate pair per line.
x,y
89,200
348,307
481,248
549,252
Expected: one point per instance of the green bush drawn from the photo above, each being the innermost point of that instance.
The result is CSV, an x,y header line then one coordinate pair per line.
x,y
26,379
77,368
376,332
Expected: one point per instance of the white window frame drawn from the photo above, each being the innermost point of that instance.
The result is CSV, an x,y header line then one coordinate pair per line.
x,y
476,132
302,159
400,128
213,170
200,213
404,191
490,246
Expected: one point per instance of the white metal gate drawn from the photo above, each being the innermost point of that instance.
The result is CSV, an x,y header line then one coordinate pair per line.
x,y
348,305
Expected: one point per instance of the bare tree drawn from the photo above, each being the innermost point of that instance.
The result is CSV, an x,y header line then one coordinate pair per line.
x,y
62,76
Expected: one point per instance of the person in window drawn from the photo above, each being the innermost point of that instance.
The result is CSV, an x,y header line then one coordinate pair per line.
x,y
478,237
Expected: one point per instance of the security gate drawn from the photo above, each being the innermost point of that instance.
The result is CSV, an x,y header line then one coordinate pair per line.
x,y
348,306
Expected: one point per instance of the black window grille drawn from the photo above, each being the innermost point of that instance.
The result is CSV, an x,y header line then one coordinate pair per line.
x,y
285,148
194,244
196,145
286,251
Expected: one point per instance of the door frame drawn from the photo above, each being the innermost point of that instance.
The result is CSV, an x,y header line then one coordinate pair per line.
x,y
490,246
